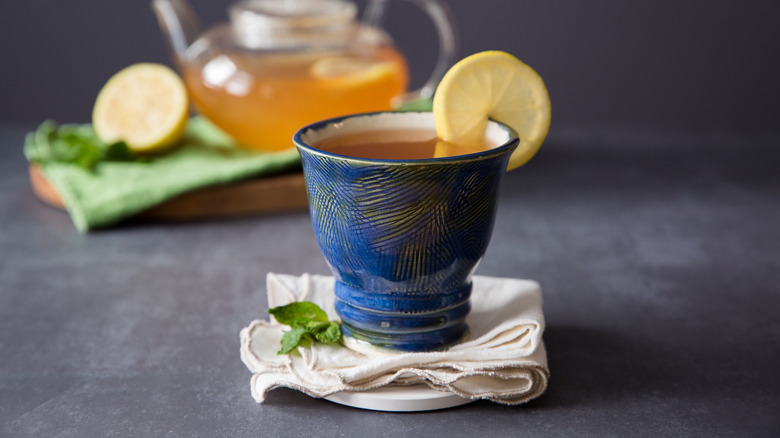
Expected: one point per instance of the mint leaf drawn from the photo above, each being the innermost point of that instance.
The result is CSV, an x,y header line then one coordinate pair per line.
x,y
330,333
74,144
308,322
291,339
298,313
73,148
118,151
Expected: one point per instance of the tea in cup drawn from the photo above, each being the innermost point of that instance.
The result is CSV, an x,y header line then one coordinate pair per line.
x,y
402,220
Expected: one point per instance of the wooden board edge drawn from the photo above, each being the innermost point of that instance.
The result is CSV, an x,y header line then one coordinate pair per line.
x,y
42,189
273,194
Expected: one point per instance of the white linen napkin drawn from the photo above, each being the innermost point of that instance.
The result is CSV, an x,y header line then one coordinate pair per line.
x,y
504,359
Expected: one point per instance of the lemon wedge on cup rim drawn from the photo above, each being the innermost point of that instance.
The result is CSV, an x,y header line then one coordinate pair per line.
x,y
145,105
492,85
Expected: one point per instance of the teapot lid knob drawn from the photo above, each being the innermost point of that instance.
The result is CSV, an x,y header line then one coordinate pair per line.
x,y
291,14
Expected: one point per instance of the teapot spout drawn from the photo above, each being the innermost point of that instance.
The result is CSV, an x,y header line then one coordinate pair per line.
x,y
178,23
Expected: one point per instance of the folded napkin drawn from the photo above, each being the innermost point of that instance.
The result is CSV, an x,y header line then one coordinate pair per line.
x,y
504,359
117,190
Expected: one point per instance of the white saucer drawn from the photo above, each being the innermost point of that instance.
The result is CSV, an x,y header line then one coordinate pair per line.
x,y
399,399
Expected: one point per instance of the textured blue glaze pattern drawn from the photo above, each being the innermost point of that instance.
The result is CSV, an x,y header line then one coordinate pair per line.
x,y
402,239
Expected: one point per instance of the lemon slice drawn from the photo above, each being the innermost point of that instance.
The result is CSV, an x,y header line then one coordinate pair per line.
x,y
145,105
446,149
493,85
357,69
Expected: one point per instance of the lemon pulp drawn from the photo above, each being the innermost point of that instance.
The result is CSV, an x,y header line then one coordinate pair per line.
x,y
145,105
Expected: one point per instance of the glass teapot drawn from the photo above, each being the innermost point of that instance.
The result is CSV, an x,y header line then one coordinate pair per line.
x,y
281,64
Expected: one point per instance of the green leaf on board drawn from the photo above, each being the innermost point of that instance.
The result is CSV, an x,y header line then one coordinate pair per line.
x,y
74,144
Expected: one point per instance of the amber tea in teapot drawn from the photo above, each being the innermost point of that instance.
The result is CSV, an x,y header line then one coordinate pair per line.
x,y
286,92
281,64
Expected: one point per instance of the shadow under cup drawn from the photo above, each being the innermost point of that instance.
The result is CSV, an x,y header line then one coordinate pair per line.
x,y
402,237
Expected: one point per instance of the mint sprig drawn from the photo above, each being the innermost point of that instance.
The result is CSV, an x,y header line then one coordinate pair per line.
x,y
74,144
308,323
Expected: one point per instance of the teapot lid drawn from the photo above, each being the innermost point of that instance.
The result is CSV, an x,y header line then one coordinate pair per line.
x,y
276,15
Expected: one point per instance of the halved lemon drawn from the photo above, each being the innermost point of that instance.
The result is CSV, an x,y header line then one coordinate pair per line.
x,y
145,105
493,85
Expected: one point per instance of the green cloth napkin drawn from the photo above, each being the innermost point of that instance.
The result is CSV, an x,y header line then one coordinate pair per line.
x,y
116,190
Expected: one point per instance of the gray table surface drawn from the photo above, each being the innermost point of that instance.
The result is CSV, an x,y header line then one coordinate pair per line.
x,y
658,251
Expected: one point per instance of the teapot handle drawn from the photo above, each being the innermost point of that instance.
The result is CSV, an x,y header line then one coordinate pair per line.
x,y
443,19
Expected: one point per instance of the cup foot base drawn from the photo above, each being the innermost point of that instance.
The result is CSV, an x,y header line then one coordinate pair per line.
x,y
388,344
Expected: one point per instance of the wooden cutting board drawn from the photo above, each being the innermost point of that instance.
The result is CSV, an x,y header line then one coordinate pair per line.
x,y
273,194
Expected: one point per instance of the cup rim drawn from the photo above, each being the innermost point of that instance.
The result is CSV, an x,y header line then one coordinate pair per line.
x,y
511,142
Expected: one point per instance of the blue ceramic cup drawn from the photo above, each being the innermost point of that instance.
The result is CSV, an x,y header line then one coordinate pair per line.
x,y
402,237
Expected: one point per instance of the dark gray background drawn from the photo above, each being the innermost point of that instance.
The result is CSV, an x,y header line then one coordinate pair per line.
x,y
692,62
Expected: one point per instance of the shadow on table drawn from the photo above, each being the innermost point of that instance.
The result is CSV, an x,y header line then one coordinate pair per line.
x,y
587,365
